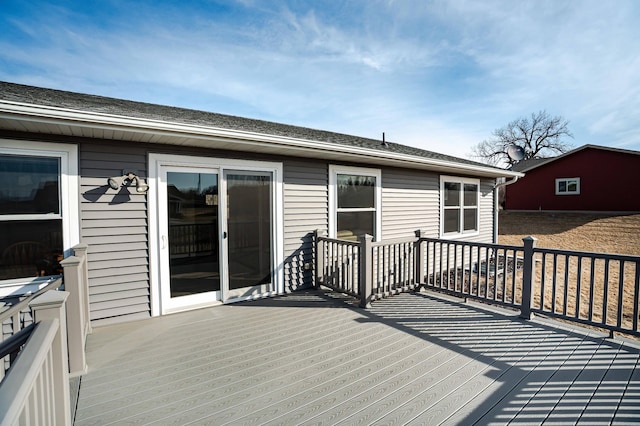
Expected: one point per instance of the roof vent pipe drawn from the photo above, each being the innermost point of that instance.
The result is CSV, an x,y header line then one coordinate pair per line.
x,y
384,141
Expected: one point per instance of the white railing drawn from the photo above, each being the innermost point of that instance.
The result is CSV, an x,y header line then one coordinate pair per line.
x,y
35,390
43,352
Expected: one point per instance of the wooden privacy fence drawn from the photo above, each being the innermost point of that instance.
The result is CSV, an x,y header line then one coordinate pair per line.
x,y
597,289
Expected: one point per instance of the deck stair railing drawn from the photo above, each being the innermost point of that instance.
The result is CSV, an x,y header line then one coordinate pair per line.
x,y
42,345
595,289
35,389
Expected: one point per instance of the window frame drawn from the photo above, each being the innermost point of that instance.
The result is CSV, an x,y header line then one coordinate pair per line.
x,y
461,207
567,180
69,202
334,171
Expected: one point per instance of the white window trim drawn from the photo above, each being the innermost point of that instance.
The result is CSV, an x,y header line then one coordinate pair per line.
x,y
69,203
334,171
558,180
462,181
156,161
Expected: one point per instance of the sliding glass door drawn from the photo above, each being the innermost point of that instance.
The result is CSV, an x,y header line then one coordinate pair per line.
x,y
249,242
215,234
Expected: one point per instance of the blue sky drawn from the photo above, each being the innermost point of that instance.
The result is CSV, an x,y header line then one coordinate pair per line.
x,y
439,75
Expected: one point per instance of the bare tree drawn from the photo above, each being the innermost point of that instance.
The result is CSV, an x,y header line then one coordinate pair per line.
x,y
541,136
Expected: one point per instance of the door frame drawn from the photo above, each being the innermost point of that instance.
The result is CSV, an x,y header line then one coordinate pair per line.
x,y
154,210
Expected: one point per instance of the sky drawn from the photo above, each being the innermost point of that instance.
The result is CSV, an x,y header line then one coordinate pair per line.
x,y
438,75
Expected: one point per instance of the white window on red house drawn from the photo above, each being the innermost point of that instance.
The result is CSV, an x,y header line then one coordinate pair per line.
x,y
568,186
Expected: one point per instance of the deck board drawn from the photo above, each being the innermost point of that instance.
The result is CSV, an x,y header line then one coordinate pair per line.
x,y
313,358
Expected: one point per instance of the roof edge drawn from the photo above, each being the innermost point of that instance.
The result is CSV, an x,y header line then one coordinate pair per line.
x,y
74,117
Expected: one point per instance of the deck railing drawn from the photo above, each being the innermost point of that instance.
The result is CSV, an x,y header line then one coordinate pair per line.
x,y
17,318
337,264
35,389
43,345
597,289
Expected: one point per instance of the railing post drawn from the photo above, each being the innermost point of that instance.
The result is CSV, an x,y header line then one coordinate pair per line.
x,y
319,257
73,283
51,306
80,251
527,278
420,260
365,275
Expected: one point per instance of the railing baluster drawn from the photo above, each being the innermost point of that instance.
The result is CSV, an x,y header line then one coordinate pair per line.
x,y
554,287
605,296
620,294
592,287
578,286
636,297
565,305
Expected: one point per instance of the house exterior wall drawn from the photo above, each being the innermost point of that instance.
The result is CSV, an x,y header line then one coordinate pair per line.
x,y
115,224
306,208
410,201
608,182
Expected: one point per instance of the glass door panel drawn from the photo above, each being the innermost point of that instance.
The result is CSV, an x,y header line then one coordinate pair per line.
x,y
192,210
249,228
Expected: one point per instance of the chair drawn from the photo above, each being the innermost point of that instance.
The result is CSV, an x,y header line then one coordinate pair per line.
x,y
25,259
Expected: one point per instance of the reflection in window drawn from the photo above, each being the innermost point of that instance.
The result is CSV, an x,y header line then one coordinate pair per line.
x,y
568,186
30,185
30,216
459,205
356,206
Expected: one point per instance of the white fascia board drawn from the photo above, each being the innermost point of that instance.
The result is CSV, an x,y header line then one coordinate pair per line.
x,y
55,115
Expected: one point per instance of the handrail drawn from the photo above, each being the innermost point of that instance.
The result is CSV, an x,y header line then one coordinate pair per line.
x,y
12,345
17,384
18,307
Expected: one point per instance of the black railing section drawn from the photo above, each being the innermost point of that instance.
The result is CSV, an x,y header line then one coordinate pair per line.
x,y
596,289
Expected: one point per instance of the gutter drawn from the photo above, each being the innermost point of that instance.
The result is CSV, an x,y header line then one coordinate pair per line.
x,y
68,117
496,187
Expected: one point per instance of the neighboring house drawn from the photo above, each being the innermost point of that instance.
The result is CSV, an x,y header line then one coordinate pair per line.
x,y
231,205
589,178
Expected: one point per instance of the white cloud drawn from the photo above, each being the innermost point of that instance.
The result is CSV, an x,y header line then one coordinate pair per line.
x,y
439,75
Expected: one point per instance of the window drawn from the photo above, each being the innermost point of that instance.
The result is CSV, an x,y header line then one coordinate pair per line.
x,y
355,202
459,205
38,202
568,186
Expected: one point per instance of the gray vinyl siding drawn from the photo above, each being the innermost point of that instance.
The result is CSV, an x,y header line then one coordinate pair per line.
x,y
410,201
487,210
114,225
306,209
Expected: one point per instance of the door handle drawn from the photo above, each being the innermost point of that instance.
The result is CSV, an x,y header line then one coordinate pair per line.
x,y
224,235
164,242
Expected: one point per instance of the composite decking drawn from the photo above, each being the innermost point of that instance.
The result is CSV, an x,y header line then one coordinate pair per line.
x,y
312,358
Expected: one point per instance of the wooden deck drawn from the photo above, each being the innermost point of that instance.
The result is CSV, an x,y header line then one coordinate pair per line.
x,y
310,358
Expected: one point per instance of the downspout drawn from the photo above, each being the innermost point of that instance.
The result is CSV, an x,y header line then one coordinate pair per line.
x,y
495,206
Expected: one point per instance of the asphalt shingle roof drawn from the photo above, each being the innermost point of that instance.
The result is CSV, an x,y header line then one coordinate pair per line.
x,y
99,104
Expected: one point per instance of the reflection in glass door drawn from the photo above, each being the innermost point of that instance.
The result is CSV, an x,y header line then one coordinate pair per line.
x,y
249,228
192,211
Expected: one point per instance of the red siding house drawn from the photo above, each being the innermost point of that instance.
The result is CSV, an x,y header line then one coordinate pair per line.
x,y
589,178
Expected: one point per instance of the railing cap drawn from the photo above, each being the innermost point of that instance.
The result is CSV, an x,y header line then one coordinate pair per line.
x,y
50,297
70,261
